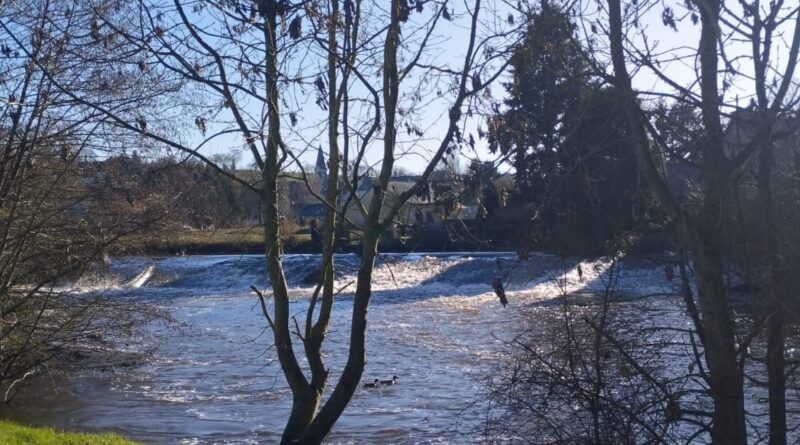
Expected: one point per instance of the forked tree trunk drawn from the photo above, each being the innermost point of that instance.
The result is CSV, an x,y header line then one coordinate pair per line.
x,y
309,424
373,227
357,355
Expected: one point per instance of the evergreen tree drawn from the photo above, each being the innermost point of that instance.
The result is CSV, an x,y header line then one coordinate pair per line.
x,y
577,182
599,183
549,74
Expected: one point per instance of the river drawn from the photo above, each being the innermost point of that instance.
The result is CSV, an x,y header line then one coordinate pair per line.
x,y
434,322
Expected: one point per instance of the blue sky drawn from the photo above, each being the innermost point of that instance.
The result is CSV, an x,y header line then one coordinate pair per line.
x,y
447,46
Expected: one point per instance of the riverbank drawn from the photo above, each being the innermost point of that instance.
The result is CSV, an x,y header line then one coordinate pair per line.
x,y
250,240
16,434
193,242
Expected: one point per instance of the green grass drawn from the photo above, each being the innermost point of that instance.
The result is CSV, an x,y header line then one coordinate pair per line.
x,y
213,241
176,241
15,434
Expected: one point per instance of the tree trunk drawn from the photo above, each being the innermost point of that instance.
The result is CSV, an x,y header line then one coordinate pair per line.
x,y
305,400
726,378
704,232
315,334
708,249
776,378
357,358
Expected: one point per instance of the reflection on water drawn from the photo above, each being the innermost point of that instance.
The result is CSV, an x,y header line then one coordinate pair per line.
x,y
434,322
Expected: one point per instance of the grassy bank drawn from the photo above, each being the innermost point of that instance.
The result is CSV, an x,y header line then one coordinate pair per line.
x,y
187,241
15,434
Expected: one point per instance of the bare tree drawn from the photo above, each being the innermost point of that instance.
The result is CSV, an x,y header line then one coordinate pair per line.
x,y
231,68
585,371
51,189
701,225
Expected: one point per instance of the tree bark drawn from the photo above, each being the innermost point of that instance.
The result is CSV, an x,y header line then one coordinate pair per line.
x,y
356,360
726,380
707,246
304,399
316,334
776,363
703,233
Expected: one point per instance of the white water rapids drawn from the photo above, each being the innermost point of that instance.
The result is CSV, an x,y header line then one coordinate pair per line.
x,y
434,321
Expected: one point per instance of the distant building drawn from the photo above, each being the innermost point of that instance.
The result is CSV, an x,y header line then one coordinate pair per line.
x,y
442,200
684,176
307,212
740,133
321,169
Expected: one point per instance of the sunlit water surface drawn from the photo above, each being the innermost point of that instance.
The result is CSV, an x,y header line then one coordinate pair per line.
x,y
433,321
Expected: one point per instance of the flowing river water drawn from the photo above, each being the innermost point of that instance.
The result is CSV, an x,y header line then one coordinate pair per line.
x,y
434,322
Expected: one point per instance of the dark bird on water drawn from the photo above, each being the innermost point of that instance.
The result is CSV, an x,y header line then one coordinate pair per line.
x,y
499,289
372,385
580,272
389,382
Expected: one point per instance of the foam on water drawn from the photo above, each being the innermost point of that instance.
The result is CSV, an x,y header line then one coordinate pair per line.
x,y
140,279
434,321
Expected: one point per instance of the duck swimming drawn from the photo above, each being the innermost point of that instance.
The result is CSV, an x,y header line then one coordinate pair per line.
x,y
372,385
389,382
